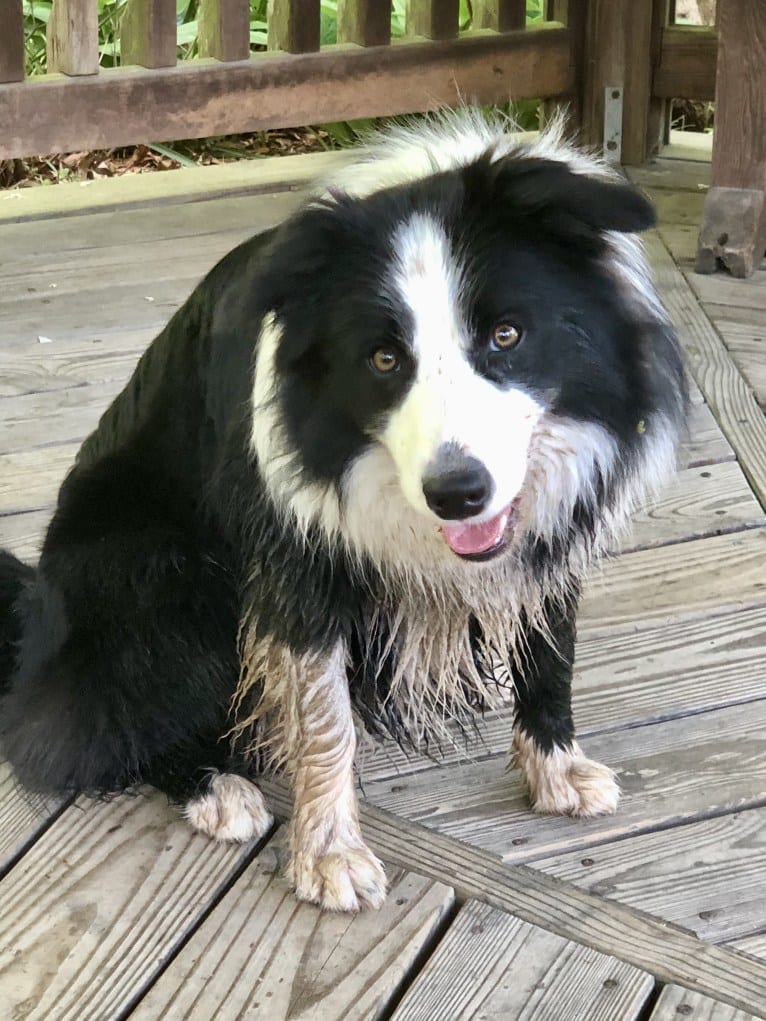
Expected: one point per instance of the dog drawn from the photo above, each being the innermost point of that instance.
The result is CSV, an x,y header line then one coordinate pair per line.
x,y
357,480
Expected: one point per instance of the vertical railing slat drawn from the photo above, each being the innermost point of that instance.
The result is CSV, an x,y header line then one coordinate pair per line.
x,y
500,15
224,29
294,25
366,22
433,19
148,33
12,43
72,37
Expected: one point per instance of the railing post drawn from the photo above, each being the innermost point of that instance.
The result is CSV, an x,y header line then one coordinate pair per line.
x,y
294,25
500,15
224,29
365,22
72,37
734,221
658,116
12,43
148,33
433,19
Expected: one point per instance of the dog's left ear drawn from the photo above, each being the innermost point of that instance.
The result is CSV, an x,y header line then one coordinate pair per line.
x,y
536,186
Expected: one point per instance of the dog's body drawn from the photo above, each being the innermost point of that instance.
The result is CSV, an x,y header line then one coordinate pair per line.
x,y
362,473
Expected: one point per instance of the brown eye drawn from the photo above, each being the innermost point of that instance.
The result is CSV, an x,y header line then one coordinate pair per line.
x,y
384,360
504,336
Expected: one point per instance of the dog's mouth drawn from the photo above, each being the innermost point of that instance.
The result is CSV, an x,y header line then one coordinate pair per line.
x,y
481,540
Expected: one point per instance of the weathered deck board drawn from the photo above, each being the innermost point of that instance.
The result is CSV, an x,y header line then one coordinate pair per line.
x,y
493,966
755,945
676,1003
22,819
23,534
100,903
670,772
261,954
659,673
30,479
669,953
706,876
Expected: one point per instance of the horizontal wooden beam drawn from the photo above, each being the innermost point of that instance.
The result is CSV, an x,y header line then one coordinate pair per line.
x,y
686,68
270,90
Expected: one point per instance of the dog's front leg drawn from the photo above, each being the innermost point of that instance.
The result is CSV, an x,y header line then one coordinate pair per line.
x,y
561,780
331,865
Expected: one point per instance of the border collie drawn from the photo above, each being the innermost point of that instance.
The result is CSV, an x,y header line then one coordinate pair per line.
x,y
357,479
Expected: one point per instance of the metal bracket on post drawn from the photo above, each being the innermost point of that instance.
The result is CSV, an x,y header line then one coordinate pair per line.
x,y
613,124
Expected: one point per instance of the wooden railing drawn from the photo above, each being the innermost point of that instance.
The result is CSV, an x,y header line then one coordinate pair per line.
x,y
583,47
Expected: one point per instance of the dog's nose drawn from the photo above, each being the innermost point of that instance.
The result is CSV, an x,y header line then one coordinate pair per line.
x,y
457,488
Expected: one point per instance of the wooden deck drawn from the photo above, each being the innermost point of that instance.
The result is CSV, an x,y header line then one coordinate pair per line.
x,y
110,911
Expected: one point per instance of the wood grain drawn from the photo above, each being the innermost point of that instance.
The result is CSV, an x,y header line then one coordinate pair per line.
x,y
224,29
23,534
294,25
432,19
629,935
202,98
500,15
365,22
72,40
493,966
22,818
687,64
705,876
12,42
669,773
263,954
100,904
755,945
148,33
705,443
676,1003
729,397
30,479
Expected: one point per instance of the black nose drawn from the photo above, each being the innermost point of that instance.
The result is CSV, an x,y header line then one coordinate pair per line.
x,y
457,488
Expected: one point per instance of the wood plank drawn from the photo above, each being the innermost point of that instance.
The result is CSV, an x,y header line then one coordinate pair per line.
x,y
12,43
260,953
148,33
687,63
99,905
677,582
23,534
755,945
711,500
638,21
365,22
30,479
675,1003
493,966
661,949
22,819
705,443
663,174
669,773
500,15
746,342
294,25
721,289
224,29
53,417
730,400
659,673
72,40
678,207
201,98
432,19
705,876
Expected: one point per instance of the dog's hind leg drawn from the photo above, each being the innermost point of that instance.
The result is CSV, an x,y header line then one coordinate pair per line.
x,y
560,779
307,706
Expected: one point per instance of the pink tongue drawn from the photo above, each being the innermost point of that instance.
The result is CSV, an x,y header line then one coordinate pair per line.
x,y
466,538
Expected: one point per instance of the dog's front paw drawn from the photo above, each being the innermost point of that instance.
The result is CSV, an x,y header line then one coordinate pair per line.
x,y
565,782
232,809
343,878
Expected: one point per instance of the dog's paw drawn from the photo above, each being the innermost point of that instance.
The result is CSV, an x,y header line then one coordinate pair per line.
x,y
341,879
565,782
231,809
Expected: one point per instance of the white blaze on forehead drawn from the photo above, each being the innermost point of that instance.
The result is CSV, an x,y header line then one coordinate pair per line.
x,y
449,402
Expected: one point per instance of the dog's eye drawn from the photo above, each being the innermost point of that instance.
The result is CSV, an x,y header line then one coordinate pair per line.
x,y
505,336
385,360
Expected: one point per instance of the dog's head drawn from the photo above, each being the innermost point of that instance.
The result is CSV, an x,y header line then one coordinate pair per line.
x,y
455,361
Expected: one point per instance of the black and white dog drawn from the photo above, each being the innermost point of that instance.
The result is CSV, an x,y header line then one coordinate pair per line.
x,y
359,477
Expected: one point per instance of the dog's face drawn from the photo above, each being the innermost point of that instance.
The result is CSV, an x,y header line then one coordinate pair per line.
x,y
454,353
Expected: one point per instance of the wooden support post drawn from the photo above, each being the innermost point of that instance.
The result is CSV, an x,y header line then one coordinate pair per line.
x,y
148,33
12,43
571,13
365,22
617,54
224,29
734,220
500,15
433,19
72,37
658,115
294,25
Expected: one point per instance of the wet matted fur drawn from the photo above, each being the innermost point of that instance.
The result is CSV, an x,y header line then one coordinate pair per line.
x,y
358,479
